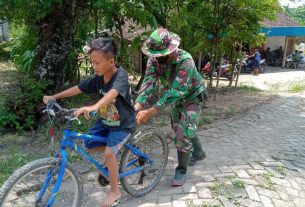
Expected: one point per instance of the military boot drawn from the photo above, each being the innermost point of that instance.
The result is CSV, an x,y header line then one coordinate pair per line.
x,y
180,173
198,153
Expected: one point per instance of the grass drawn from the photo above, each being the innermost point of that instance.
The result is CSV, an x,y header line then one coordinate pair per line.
x,y
281,170
229,111
191,204
238,183
12,161
204,120
13,138
227,191
247,89
270,185
297,87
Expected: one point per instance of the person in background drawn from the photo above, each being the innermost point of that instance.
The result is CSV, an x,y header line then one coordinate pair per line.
x,y
257,58
302,47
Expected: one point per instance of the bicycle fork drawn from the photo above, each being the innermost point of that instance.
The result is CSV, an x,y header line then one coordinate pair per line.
x,y
63,165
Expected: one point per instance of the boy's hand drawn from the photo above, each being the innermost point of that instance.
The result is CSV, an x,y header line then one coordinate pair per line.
x,y
47,98
85,110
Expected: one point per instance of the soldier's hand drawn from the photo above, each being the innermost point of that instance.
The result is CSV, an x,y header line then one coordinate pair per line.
x,y
142,117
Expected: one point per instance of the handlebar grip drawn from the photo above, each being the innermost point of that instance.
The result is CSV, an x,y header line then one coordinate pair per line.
x,y
93,114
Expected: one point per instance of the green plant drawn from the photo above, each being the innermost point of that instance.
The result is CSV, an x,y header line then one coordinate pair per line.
x,y
73,157
23,50
269,183
220,189
281,170
5,48
19,109
204,120
239,183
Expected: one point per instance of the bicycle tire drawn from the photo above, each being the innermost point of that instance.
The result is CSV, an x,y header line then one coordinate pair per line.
x,y
151,135
30,190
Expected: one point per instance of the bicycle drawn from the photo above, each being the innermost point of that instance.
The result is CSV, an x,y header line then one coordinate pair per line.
x,y
52,182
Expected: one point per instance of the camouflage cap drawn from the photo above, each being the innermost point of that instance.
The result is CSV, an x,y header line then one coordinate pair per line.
x,y
161,43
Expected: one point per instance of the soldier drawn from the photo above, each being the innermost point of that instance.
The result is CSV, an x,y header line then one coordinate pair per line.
x,y
183,91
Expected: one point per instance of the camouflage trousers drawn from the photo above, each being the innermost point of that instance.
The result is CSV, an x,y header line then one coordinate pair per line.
x,y
185,119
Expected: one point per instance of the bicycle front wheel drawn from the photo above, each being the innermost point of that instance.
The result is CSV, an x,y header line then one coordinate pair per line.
x,y
23,187
151,143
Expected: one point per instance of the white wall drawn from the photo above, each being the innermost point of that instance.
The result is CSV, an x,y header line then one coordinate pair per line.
x,y
275,42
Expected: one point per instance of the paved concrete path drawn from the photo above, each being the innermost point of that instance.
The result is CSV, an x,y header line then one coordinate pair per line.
x,y
257,160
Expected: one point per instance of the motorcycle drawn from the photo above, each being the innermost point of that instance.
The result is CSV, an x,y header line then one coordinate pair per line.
x,y
274,58
247,65
295,60
225,70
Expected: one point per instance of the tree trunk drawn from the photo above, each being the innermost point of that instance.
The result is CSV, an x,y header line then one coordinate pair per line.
x,y
239,64
143,71
56,37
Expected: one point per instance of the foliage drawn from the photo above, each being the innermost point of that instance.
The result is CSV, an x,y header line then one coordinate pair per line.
x,y
52,33
298,14
19,108
5,48
222,26
23,51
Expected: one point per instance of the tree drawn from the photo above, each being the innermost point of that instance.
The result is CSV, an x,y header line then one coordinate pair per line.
x,y
298,14
221,21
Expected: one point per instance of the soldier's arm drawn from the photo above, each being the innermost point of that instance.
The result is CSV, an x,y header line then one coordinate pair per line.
x,y
149,84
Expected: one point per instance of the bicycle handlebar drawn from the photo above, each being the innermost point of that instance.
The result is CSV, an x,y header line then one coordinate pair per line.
x,y
54,108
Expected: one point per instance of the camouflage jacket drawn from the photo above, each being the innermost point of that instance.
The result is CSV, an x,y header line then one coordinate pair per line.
x,y
180,78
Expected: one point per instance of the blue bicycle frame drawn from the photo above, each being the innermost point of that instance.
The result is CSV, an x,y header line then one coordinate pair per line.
x,y
68,141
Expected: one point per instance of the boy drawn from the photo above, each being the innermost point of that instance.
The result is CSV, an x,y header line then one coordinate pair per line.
x,y
178,74
117,114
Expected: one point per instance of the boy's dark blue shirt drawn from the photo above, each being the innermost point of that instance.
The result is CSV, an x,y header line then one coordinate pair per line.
x,y
119,115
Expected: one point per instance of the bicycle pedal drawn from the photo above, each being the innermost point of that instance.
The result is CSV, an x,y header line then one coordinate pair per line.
x,y
115,203
102,180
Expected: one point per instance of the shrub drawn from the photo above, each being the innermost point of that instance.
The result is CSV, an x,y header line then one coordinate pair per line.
x,y
19,108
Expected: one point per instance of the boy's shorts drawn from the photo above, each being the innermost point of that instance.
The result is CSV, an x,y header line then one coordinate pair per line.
x,y
115,138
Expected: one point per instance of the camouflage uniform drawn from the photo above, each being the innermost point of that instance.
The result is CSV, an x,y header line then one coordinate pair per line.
x,y
184,87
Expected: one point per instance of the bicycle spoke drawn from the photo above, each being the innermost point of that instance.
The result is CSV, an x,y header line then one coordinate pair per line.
x,y
26,189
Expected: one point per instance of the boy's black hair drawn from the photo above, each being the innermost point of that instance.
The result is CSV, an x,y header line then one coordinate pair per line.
x,y
105,45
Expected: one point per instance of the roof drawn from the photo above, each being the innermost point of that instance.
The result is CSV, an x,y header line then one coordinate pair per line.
x,y
282,26
131,30
282,20
283,31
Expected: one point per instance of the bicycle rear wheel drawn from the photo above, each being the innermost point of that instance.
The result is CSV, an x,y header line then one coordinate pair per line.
x,y
151,143
23,187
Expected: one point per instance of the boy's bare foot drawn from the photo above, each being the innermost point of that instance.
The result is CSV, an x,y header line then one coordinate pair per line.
x,y
111,198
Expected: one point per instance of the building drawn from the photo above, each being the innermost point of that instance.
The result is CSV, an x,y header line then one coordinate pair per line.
x,y
282,32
